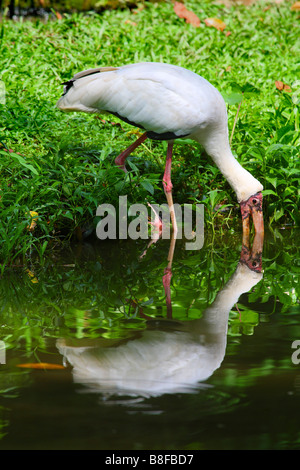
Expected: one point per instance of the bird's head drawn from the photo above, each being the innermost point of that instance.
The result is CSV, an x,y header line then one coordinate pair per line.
x,y
253,206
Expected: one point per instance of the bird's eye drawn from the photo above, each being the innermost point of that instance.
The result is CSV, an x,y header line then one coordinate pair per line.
x,y
254,201
254,264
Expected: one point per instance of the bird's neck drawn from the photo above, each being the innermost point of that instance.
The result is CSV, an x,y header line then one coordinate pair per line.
x,y
241,282
242,182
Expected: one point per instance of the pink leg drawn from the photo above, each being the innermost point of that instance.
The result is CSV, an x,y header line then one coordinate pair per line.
x,y
167,175
167,183
167,286
120,160
168,274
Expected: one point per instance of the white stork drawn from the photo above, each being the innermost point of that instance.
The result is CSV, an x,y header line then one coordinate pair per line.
x,y
168,102
161,361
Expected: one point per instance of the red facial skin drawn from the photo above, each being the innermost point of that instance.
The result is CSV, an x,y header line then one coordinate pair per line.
x,y
252,256
253,207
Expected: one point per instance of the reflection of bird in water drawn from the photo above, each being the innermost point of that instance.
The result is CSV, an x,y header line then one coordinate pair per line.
x,y
168,102
163,361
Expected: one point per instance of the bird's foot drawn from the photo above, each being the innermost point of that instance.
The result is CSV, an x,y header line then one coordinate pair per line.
x,y
157,224
167,287
119,162
156,232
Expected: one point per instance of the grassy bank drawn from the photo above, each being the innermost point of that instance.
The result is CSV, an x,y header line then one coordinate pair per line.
x,y
61,166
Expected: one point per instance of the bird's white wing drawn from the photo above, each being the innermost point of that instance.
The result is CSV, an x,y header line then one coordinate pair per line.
x,y
157,97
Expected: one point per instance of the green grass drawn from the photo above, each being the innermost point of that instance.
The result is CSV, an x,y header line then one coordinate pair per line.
x,y
61,165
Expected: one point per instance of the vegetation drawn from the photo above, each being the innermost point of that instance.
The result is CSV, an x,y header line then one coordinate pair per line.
x,y
30,7
105,291
60,166
56,169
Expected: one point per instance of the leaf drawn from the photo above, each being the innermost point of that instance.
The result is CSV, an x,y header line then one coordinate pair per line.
x,y
278,214
236,87
249,316
295,6
41,365
232,98
249,89
69,215
275,147
215,23
132,165
273,181
281,86
266,192
148,186
119,186
23,162
182,12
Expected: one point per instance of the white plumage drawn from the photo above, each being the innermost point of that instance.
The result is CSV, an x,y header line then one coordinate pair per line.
x,y
158,97
167,102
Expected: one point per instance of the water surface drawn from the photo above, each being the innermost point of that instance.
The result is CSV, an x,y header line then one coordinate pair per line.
x,y
193,354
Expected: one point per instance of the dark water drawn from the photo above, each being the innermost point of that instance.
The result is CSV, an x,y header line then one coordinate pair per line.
x,y
199,356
